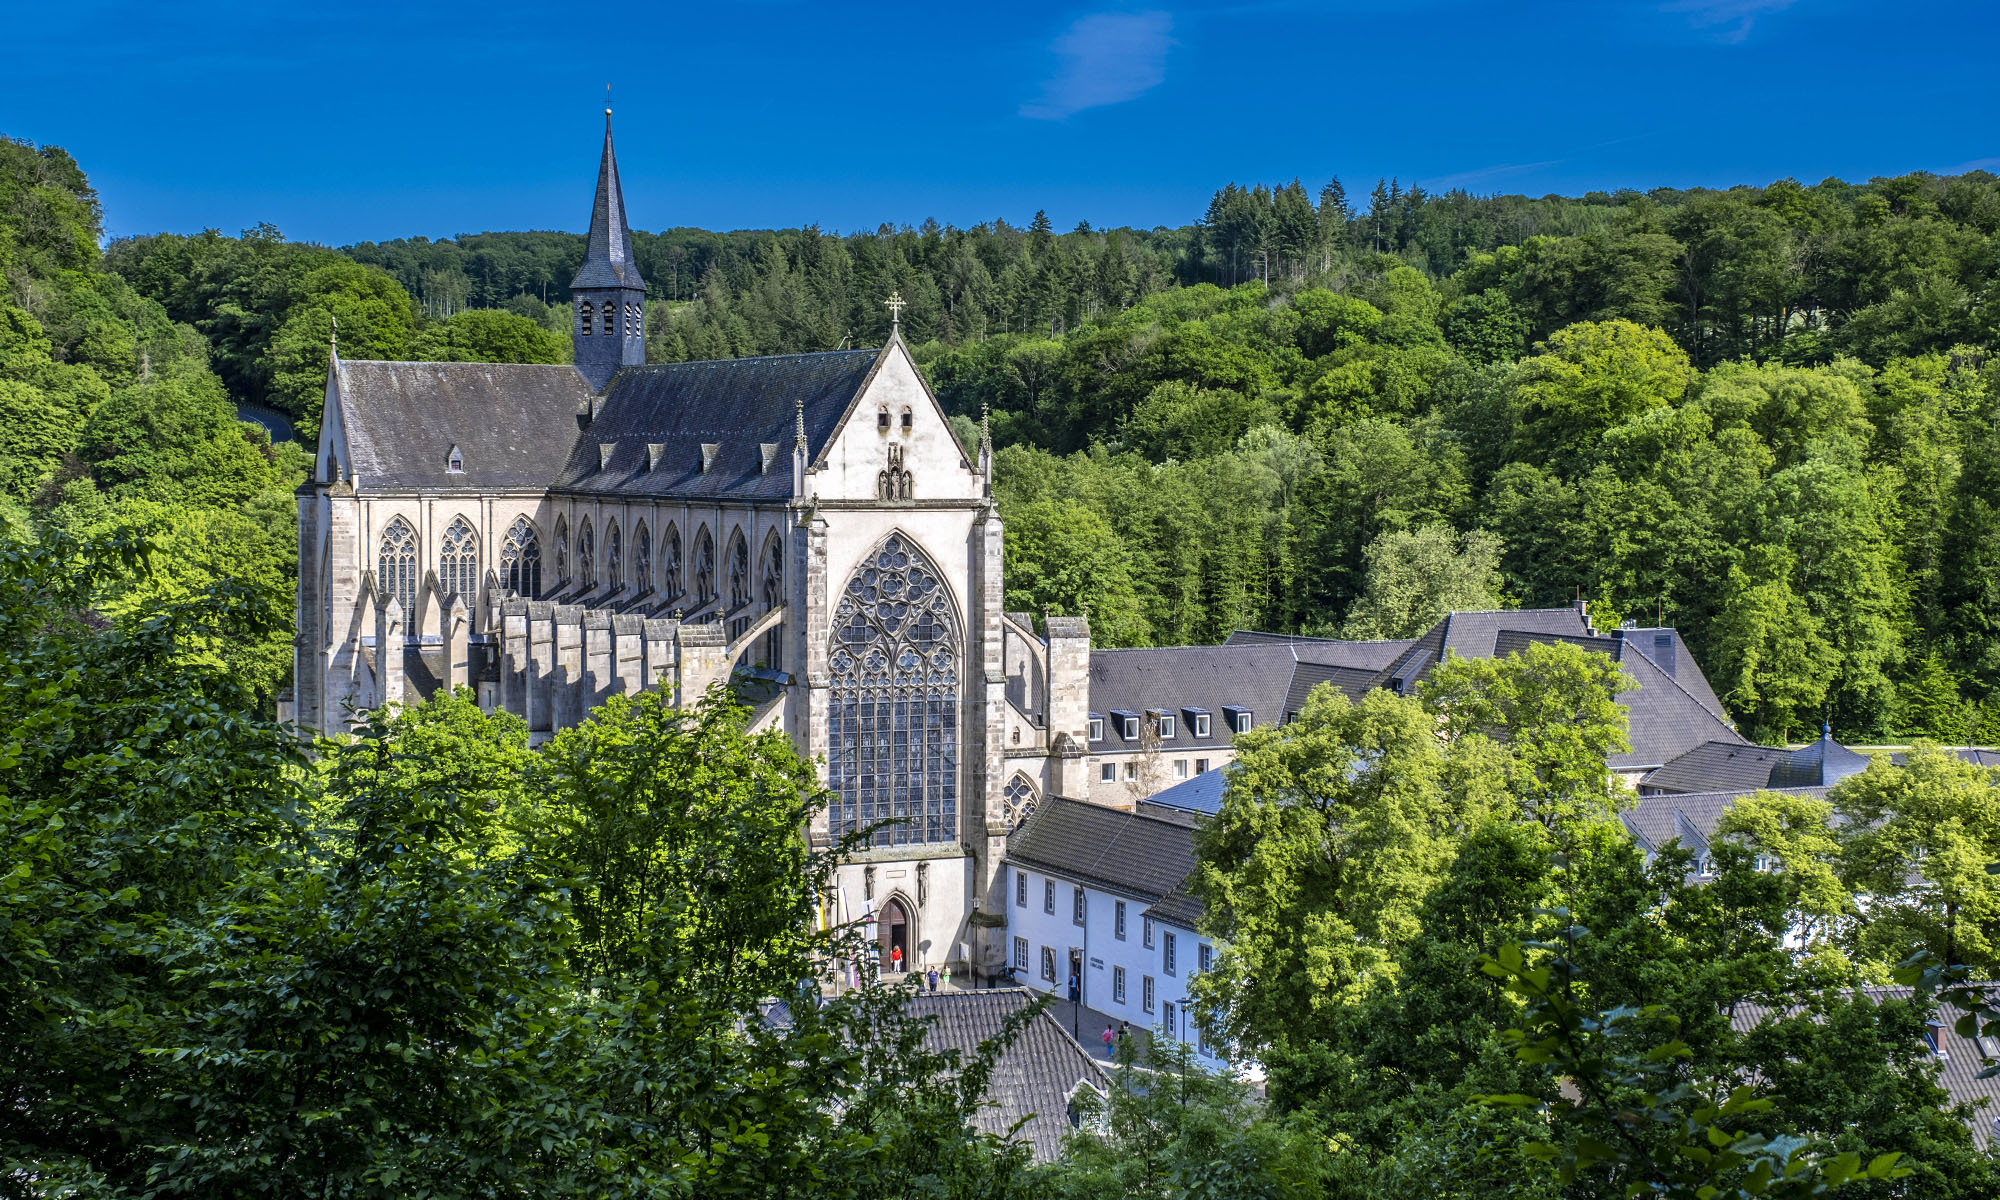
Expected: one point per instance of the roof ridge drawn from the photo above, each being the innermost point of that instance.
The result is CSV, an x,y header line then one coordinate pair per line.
x,y
1718,718
748,358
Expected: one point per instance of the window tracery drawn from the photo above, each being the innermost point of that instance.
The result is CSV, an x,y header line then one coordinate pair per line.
x,y
642,559
396,566
458,562
893,717
562,550
704,569
586,554
739,584
774,597
614,559
670,564
521,560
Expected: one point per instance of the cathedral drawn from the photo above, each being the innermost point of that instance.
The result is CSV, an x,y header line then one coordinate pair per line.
x,y
806,526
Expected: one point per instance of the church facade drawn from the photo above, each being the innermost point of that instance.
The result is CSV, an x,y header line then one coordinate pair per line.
x,y
808,527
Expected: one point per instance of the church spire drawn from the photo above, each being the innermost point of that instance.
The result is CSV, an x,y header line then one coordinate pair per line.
x,y
609,297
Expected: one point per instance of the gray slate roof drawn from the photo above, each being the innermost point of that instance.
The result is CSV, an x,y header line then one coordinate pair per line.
x,y
1179,908
1691,816
1821,763
1123,852
737,404
1717,766
1033,1078
513,422
1200,794
1332,652
1179,678
607,256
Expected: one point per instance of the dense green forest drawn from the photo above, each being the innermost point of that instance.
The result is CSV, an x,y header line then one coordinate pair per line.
x,y
1763,415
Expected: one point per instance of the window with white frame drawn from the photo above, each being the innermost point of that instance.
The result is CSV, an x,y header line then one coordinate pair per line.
x,y
1146,929
1118,985
1131,770
1107,773
1201,724
1201,766
1048,895
1180,768
1167,953
1049,963
1129,728
1021,890
1244,721
1170,1020
1077,905
1205,956
1167,725
1146,993
1021,953
1096,728
1118,920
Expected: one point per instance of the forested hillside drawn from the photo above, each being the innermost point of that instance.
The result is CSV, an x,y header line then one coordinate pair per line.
x,y
1763,415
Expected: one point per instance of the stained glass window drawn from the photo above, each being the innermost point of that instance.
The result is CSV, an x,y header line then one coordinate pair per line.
x,y
396,566
893,749
521,560
1019,796
458,562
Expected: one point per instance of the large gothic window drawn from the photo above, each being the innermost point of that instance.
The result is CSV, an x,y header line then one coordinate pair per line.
x,y
614,558
774,596
521,560
396,567
893,723
458,562
670,564
704,569
586,555
739,584
642,559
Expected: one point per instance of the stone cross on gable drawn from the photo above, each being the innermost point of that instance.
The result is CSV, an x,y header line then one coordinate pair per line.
x,y
896,304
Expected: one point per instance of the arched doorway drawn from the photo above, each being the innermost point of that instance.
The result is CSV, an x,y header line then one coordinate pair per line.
x,y
892,930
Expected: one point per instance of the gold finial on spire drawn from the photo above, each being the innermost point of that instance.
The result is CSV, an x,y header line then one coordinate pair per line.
x,y
895,304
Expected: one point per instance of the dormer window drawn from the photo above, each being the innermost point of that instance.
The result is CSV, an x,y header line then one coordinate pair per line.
x,y
454,463
1201,722
1096,728
1240,720
1934,1038
882,420
1130,732
1166,723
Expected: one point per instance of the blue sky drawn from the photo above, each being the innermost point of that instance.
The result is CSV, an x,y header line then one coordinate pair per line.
x,y
378,120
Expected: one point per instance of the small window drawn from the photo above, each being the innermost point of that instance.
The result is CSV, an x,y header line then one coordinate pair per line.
x,y
1244,721
1118,985
1200,1035
1020,889
1118,920
1201,724
1021,953
454,463
1131,770
1180,768
1049,963
1201,766
1167,953
610,319
1107,773
1206,956
1170,1021
882,420
583,312
1167,725
1129,729
1097,729
1934,1038
1146,993
906,421
1146,928
1048,895
1077,905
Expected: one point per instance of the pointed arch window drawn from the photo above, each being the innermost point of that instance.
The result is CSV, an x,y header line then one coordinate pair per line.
x,y
454,463
586,554
614,558
739,584
458,562
396,566
774,597
642,559
1019,796
704,569
562,550
893,717
584,314
610,317
670,564
521,560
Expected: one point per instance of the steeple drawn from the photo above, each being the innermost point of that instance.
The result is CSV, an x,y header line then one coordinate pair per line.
x,y
608,296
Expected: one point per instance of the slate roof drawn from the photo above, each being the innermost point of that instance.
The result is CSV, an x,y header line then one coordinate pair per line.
x,y
1200,794
1691,816
1177,678
1033,1078
737,404
1958,1065
1716,766
1821,763
607,256
514,423
1332,652
1124,852
1473,635
1179,908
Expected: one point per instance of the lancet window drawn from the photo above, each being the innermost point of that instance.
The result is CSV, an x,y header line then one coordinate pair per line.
x,y
670,564
614,558
586,554
396,566
893,717
583,311
521,560
562,551
458,562
774,596
704,569
610,316
642,559
739,584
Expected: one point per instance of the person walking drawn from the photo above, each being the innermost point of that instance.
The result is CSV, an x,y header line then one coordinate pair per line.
x,y
932,978
1110,1040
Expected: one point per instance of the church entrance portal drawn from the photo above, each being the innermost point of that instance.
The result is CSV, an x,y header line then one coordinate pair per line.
x,y
892,928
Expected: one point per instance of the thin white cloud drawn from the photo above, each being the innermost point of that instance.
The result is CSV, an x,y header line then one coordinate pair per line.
x,y
1444,183
1732,20
1106,58
1974,164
